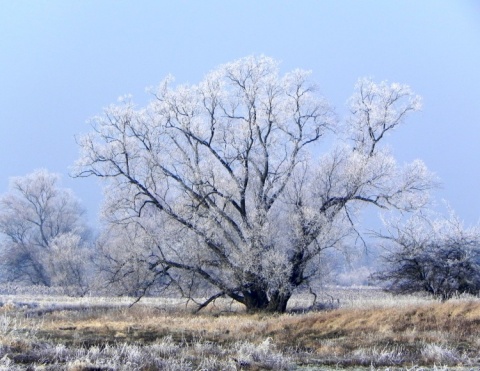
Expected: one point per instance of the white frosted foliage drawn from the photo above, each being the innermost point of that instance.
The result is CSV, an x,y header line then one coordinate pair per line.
x,y
225,176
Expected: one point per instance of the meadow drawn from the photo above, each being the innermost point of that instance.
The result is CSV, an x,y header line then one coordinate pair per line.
x,y
349,328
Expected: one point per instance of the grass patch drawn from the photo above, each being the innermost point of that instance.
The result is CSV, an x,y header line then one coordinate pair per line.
x,y
156,334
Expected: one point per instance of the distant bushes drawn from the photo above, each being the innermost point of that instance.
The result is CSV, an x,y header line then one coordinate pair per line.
x,y
439,257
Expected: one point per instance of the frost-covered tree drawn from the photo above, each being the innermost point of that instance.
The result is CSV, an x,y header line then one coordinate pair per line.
x,y
226,181
42,228
440,257
123,261
68,263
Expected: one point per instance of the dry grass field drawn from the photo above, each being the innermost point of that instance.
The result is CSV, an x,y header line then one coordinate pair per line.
x,y
356,329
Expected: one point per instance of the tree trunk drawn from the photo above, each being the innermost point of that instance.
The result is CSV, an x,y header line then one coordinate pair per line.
x,y
255,300
259,301
278,303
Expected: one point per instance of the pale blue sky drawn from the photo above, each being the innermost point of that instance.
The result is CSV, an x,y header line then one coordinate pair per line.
x,y
62,61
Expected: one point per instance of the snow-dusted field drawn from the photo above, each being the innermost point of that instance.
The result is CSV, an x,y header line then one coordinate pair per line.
x,y
352,328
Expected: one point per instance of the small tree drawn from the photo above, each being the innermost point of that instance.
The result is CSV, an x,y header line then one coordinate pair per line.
x,y
68,263
225,180
438,257
43,228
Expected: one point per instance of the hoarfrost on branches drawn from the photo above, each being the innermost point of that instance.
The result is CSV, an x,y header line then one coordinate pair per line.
x,y
438,256
43,233
225,178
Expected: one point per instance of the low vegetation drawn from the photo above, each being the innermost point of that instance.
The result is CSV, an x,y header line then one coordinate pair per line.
x,y
357,328
440,257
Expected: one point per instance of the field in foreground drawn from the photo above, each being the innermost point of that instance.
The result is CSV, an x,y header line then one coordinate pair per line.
x,y
362,328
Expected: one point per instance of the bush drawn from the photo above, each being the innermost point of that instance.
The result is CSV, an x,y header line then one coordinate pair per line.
x,y
439,257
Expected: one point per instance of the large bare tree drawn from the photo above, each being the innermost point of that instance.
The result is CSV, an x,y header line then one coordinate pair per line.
x,y
227,183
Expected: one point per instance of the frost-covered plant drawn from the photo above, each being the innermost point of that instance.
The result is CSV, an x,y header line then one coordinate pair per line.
x,y
222,185
68,261
43,233
436,353
437,256
265,354
380,355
